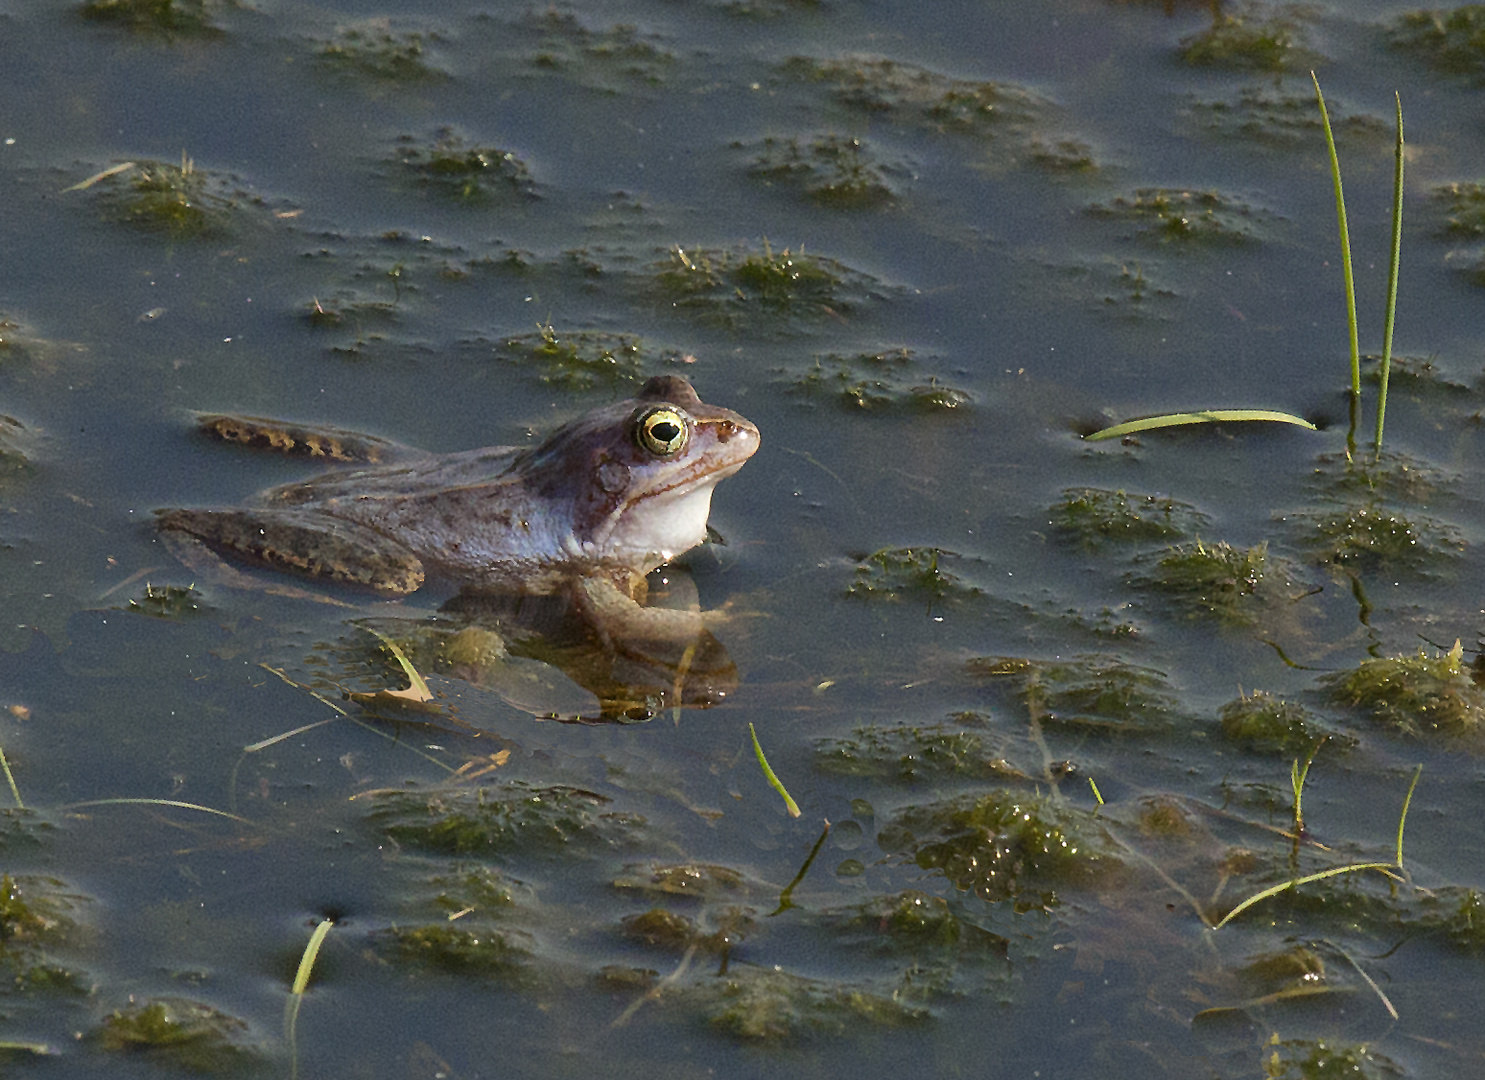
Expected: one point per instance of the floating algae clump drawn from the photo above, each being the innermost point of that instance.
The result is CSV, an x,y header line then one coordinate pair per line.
x,y
1254,40
1006,846
1375,537
1222,580
1449,41
759,1005
893,573
1418,694
470,173
1094,516
1091,693
465,933
1267,724
577,360
1173,215
905,753
876,382
834,171
190,1034
501,819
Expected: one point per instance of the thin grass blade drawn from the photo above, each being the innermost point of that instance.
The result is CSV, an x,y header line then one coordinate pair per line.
x,y
1275,890
1206,416
1340,213
1392,271
311,952
778,785
1403,818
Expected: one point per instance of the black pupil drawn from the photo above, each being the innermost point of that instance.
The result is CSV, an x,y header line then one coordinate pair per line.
x,y
665,432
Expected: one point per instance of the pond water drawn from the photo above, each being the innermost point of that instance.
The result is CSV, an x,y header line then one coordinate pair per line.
x,y
1043,702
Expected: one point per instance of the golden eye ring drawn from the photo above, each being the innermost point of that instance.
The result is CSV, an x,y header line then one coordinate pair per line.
x,y
662,430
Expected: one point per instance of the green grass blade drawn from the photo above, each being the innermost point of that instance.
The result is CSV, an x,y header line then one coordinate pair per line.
x,y
311,952
10,779
1340,213
1392,269
1275,890
1205,416
156,802
38,1048
778,785
1403,819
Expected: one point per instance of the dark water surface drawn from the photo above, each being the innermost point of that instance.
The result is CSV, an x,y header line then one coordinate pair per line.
x,y
924,248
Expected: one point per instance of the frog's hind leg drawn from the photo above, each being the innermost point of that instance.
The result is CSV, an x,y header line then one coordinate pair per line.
x,y
318,442
313,545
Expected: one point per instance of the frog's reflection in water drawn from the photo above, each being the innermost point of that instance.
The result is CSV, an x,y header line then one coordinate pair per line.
x,y
588,654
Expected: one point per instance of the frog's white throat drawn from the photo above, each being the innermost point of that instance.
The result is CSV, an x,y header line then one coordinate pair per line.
x,y
659,526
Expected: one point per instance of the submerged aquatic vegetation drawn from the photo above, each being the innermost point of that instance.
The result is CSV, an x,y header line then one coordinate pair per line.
x,y
576,360
1413,694
1451,41
378,49
466,171
835,171
1090,693
15,455
1323,1059
460,922
165,17
168,602
1266,724
725,286
1178,216
919,97
466,947
179,200
1268,115
659,928
908,753
1255,38
912,922
189,1034
596,56
876,382
701,881
503,819
1124,289
36,917
1375,536
1006,845
1415,375
921,572
1096,516
1229,582
1064,157
1464,205
773,1005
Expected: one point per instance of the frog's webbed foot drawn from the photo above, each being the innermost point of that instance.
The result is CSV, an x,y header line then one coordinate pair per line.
x,y
313,545
319,442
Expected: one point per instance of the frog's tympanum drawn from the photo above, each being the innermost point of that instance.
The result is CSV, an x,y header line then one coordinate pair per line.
x,y
614,494
550,545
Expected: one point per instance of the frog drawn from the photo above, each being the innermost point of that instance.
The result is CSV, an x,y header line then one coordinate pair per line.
x,y
609,496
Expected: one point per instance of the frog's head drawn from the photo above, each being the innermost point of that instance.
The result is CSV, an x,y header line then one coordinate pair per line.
x,y
640,473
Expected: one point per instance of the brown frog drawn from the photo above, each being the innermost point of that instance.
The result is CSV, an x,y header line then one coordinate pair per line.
x,y
611,495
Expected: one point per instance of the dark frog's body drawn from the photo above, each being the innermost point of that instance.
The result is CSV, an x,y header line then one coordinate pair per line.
x,y
614,494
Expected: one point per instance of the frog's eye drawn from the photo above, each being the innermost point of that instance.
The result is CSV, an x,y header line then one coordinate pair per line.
x,y
662,430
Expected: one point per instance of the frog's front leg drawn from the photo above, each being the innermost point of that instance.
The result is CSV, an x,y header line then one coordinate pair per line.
x,y
304,542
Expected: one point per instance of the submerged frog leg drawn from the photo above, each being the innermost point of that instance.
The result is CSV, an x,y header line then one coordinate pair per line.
x,y
316,545
301,440
195,556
